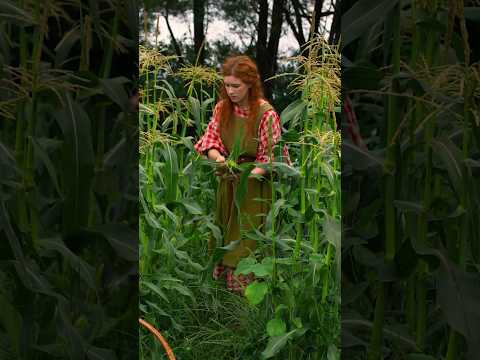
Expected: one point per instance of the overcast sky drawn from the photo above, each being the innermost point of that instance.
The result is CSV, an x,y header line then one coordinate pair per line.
x,y
218,29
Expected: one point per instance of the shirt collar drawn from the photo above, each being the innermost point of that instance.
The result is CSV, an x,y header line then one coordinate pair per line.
x,y
240,112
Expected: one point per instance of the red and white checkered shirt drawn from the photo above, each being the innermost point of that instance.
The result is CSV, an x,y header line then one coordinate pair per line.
x,y
211,139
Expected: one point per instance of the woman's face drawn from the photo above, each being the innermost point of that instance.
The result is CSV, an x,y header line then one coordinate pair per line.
x,y
237,90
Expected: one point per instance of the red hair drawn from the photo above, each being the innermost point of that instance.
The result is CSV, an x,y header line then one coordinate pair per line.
x,y
244,68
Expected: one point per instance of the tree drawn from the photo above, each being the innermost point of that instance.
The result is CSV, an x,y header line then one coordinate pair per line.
x,y
256,24
166,8
267,44
335,29
198,29
296,12
241,15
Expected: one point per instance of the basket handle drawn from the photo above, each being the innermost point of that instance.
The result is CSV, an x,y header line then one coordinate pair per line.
x,y
159,337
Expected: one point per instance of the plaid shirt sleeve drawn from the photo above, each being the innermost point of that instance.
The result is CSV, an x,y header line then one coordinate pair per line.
x,y
263,150
211,138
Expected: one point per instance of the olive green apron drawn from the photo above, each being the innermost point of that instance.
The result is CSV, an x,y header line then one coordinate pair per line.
x,y
256,203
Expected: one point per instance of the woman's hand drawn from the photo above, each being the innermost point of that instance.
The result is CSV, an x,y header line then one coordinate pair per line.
x,y
220,159
258,171
214,154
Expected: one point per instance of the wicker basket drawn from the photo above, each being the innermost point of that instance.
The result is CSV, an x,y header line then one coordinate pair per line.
x,y
159,337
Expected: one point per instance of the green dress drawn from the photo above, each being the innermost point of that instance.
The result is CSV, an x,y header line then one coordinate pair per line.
x,y
254,207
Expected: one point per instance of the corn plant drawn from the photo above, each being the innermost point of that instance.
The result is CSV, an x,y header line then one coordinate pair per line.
x,y
412,243
66,203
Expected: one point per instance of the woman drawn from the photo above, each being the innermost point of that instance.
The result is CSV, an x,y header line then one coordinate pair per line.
x,y
241,114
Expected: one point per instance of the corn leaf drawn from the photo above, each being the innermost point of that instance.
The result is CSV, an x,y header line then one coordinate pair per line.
x,y
78,160
156,290
362,15
11,321
196,113
65,45
122,238
43,155
170,173
451,157
294,112
277,343
361,159
115,90
10,12
11,236
332,233
96,353
31,277
458,296
472,13
70,334
242,186
85,270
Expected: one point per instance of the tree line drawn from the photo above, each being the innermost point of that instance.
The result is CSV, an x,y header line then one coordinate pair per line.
x,y
265,20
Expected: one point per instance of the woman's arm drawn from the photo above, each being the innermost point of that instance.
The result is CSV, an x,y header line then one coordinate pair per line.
x,y
210,143
269,132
